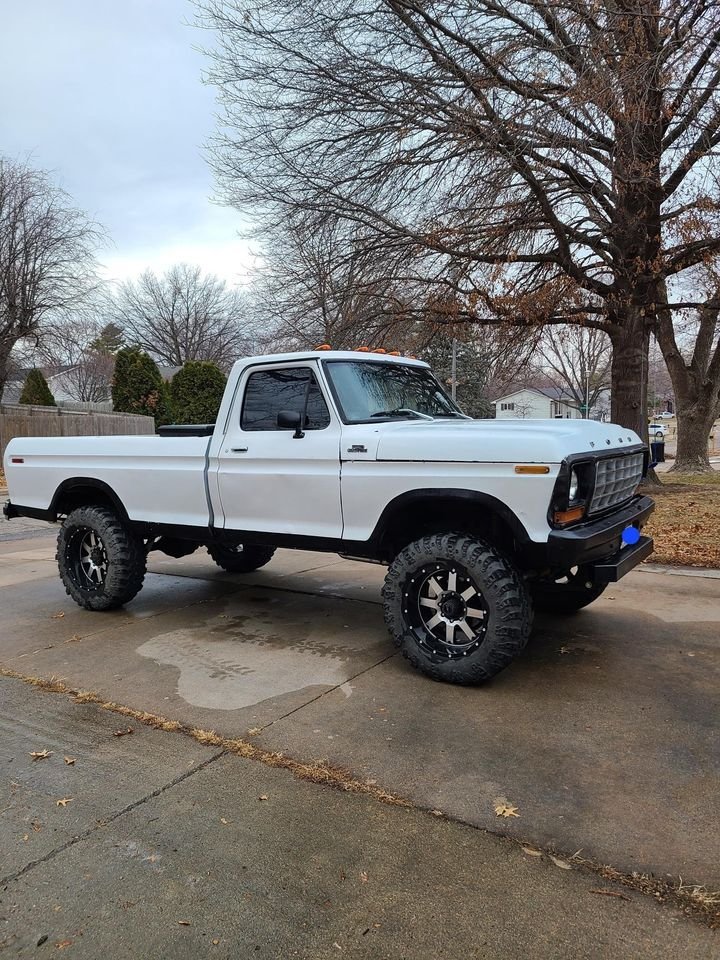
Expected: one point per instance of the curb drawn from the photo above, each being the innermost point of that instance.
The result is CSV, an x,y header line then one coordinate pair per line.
x,y
707,572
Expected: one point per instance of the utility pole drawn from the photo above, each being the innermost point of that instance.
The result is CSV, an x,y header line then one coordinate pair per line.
x,y
587,394
453,371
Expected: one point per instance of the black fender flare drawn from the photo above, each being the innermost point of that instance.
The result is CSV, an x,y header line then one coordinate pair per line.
x,y
466,497
88,483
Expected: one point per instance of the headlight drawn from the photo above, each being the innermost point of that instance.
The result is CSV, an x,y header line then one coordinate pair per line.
x,y
574,487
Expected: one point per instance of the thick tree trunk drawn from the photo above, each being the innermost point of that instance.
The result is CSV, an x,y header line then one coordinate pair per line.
x,y
4,366
696,382
694,423
629,372
629,378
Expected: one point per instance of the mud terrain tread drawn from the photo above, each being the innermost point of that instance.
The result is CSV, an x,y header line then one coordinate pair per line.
x,y
126,559
504,590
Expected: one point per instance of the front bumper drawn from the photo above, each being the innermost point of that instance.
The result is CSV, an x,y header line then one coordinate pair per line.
x,y
599,543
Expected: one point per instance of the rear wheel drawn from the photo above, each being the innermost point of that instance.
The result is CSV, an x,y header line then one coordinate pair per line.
x,y
456,608
240,558
566,594
101,561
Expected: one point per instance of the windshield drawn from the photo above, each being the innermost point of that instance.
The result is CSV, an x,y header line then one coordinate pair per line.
x,y
368,391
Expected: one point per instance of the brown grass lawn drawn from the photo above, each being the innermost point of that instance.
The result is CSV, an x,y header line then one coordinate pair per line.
x,y
686,522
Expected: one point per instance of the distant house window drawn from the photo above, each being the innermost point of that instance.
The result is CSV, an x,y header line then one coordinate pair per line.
x,y
507,406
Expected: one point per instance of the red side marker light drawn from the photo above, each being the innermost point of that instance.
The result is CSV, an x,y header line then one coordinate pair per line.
x,y
16,460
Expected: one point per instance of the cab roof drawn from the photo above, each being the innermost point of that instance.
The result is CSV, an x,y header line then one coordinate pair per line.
x,y
356,355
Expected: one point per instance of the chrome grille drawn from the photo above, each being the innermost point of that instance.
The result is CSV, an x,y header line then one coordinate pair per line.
x,y
616,480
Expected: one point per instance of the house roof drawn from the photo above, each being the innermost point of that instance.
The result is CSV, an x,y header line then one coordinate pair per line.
x,y
551,393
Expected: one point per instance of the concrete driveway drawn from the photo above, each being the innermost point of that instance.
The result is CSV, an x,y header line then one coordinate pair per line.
x,y
606,728
604,735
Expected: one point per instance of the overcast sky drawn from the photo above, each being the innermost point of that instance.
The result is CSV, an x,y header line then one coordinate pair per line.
x,y
107,94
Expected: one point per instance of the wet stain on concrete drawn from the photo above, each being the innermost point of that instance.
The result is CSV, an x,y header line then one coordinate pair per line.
x,y
234,662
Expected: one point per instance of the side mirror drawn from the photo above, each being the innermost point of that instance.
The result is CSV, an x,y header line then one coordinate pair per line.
x,y
291,420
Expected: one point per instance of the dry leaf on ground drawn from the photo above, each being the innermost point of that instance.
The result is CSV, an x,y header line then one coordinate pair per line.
x,y
70,761
64,801
563,864
41,754
123,733
505,809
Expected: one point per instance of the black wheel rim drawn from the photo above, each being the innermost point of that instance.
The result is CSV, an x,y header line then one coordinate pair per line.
x,y
445,608
87,559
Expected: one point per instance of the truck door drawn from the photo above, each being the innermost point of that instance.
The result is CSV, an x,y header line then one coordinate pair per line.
x,y
269,480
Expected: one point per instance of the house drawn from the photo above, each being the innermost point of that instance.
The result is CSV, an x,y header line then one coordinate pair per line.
x,y
537,403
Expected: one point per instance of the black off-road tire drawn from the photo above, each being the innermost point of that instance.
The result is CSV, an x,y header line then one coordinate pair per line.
x,y
566,595
242,558
116,573
496,589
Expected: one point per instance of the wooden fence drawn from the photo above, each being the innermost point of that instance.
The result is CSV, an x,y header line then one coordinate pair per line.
x,y
29,421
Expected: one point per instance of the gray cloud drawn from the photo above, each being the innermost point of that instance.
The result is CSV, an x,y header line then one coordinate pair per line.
x,y
108,95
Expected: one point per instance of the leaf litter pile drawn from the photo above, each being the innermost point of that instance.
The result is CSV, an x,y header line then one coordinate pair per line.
x,y
686,521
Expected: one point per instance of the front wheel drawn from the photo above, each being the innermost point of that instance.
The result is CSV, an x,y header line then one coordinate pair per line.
x,y
456,608
101,561
240,557
566,594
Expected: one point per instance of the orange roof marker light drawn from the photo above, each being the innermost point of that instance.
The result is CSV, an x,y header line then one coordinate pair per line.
x,y
324,346
362,349
379,350
394,353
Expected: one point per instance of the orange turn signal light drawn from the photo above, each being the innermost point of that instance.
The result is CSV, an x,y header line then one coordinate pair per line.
x,y
526,468
567,516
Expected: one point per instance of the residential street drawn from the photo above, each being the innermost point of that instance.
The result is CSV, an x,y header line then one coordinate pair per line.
x,y
602,737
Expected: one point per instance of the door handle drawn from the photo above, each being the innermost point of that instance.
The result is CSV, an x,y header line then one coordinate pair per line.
x,y
239,449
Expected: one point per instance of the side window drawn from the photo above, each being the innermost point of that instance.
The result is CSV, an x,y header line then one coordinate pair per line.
x,y
267,392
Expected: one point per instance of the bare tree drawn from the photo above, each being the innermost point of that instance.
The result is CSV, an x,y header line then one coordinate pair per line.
x,y
578,360
47,251
183,315
72,346
318,286
557,154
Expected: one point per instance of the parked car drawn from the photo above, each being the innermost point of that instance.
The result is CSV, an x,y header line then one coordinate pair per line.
x,y
364,455
657,431
665,415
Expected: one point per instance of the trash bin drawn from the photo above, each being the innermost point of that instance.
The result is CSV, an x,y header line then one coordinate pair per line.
x,y
657,451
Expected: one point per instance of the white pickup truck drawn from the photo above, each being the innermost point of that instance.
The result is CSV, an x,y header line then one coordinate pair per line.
x,y
365,455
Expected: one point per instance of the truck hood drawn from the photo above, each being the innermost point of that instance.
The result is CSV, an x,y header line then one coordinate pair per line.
x,y
497,441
